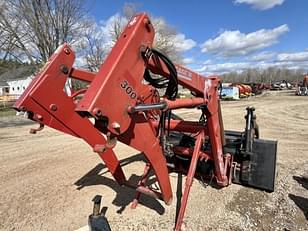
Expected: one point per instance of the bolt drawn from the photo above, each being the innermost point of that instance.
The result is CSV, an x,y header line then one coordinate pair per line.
x,y
130,110
99,148
53,107
64,69
97,112
67,51
116,125
39,117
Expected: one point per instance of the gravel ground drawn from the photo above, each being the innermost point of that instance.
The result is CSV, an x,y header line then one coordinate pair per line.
x,y
47,180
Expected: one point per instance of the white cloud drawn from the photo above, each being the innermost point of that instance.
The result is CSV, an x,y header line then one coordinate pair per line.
x,y
103,30
290,61
293,57
182,44
224,67
188,60
292,65
207,62
107,26
235,43
262,56
80,62
261,4
162,29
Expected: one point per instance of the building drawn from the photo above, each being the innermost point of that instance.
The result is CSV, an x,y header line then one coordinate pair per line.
x,y
4,88
11,90
17,87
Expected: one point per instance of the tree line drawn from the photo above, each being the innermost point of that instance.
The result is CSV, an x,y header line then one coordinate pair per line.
x,y
269,75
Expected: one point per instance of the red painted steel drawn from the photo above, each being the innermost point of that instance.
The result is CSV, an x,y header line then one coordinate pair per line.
x,y
45,98
120,76
189,152
115,88
208,89
82,75
181,126
185,103
305,81
189,180
142,182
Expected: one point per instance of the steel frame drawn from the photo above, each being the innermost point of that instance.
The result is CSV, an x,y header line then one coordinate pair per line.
x,y
113,95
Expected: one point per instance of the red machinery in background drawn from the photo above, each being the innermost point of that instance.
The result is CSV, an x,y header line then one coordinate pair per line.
x,y
124,101
302,89
244,89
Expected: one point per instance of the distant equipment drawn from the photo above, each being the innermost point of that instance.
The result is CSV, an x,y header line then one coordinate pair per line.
x,y
230,93
302,89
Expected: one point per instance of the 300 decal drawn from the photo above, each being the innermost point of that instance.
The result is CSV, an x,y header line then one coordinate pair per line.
x,y
128,89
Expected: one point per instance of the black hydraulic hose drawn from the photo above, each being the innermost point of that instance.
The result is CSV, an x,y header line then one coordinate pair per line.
x,y
172,88
169,119
161,82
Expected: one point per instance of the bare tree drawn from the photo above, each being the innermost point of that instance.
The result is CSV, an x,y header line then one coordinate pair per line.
x,y
92,48
165,39
164,33
96,45
269,75
35,28
31,30
128,11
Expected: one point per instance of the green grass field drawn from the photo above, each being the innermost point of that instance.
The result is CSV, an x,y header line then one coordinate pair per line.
x,y
7,111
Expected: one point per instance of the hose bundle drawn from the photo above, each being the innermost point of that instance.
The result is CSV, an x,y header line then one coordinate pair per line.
x,y
171,83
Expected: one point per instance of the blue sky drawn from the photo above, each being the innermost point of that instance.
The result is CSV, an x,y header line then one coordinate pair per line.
x,y
229,35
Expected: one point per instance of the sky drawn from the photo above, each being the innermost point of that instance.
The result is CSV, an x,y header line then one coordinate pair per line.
x,y
219,36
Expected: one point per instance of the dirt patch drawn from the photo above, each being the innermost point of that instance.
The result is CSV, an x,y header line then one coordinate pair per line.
x,y
282,209
47,180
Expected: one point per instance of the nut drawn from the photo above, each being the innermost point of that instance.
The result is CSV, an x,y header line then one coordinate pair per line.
x,y
116,125
64,69
67,51
53,107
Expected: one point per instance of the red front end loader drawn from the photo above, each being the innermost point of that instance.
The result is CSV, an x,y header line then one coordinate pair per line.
x,y
123,100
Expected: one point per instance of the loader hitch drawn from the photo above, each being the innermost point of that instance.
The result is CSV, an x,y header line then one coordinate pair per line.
x,y
254,159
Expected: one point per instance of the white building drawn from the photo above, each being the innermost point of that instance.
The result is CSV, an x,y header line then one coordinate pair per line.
x,y
4,88
17,87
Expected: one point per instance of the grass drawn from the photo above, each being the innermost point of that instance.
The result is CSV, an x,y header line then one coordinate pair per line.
x,y
7,111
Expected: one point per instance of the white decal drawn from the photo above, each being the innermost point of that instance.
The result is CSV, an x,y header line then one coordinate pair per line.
x,y
184,74
133,21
